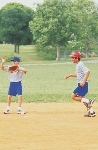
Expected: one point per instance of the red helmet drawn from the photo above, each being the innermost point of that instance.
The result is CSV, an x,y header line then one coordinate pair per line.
x,y
75,54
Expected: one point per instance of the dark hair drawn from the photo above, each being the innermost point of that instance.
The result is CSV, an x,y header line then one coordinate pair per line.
x,y
79,58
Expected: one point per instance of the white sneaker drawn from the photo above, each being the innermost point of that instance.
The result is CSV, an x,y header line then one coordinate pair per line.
x,y
7,111
21,112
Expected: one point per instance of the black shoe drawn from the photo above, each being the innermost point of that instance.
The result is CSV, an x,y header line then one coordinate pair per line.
x,y
90,114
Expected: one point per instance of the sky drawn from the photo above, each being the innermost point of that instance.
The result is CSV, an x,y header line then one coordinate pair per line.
x,y
28,3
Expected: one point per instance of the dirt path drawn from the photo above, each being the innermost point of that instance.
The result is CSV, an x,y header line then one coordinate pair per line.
x,y
48,126
57,63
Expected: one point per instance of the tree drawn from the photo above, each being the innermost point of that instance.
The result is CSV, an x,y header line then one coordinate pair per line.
x,y
88,13
54,23
14,24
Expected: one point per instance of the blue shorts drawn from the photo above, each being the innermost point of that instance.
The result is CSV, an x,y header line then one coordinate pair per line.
x,y
81,90
15,88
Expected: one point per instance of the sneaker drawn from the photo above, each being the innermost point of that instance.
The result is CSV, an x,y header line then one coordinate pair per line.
x,y
21,112
90,114
89,104
7,111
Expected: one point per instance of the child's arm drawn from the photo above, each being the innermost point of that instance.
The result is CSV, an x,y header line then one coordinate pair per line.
x,y
85,78
23,70
2,63
71,75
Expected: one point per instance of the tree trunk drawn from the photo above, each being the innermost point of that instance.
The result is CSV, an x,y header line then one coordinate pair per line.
x,y
87,43
15,48
18,49
58,53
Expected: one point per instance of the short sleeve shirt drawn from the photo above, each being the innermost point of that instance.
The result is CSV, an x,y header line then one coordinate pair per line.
x,y
81,70
15,76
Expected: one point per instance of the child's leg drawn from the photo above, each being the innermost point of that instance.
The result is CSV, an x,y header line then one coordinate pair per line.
x,y
80,98
20,110
19,100
85,101
9,100
7,111
76,97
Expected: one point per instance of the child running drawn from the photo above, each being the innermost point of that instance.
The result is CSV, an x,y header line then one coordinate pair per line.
x,y
82,74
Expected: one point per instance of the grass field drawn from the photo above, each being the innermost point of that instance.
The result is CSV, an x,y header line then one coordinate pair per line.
x,y
44,81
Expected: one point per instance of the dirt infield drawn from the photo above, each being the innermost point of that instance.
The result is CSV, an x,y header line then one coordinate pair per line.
x,y
48,126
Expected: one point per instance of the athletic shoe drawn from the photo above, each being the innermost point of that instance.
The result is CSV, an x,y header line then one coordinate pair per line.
x,y
7,111
89,104
21,112
90,114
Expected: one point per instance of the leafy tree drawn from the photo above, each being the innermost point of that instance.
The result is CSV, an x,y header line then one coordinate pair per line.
x,y
54,23
14,24
88,13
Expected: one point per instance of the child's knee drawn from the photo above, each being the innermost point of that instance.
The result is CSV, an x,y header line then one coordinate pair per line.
x,y
72,97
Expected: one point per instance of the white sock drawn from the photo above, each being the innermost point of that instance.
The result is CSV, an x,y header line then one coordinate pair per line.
x,y
8,107
85,100
91,110
19,108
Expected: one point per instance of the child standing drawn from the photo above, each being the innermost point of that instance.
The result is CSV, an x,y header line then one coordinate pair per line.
x,y
15,86
82,74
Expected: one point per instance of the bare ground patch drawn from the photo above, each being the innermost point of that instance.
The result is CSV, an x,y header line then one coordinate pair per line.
x,y
48,126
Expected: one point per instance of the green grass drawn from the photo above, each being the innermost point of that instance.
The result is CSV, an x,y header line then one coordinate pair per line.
x,y
28,54
44,81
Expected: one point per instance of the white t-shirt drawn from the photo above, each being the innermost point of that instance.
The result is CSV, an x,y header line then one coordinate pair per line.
x,y
81,70
15,76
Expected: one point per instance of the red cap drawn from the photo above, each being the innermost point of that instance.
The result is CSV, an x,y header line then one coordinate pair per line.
x,y
75,54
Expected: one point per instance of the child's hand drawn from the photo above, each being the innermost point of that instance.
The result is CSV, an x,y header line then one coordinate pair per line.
x,y
66,77
3,60
82,84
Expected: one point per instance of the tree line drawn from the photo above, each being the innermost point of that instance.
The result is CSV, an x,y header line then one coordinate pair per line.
x,y
56,23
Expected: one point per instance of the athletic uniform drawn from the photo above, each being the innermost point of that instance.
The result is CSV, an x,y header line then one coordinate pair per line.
x,y
15,78
81,70
82,74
